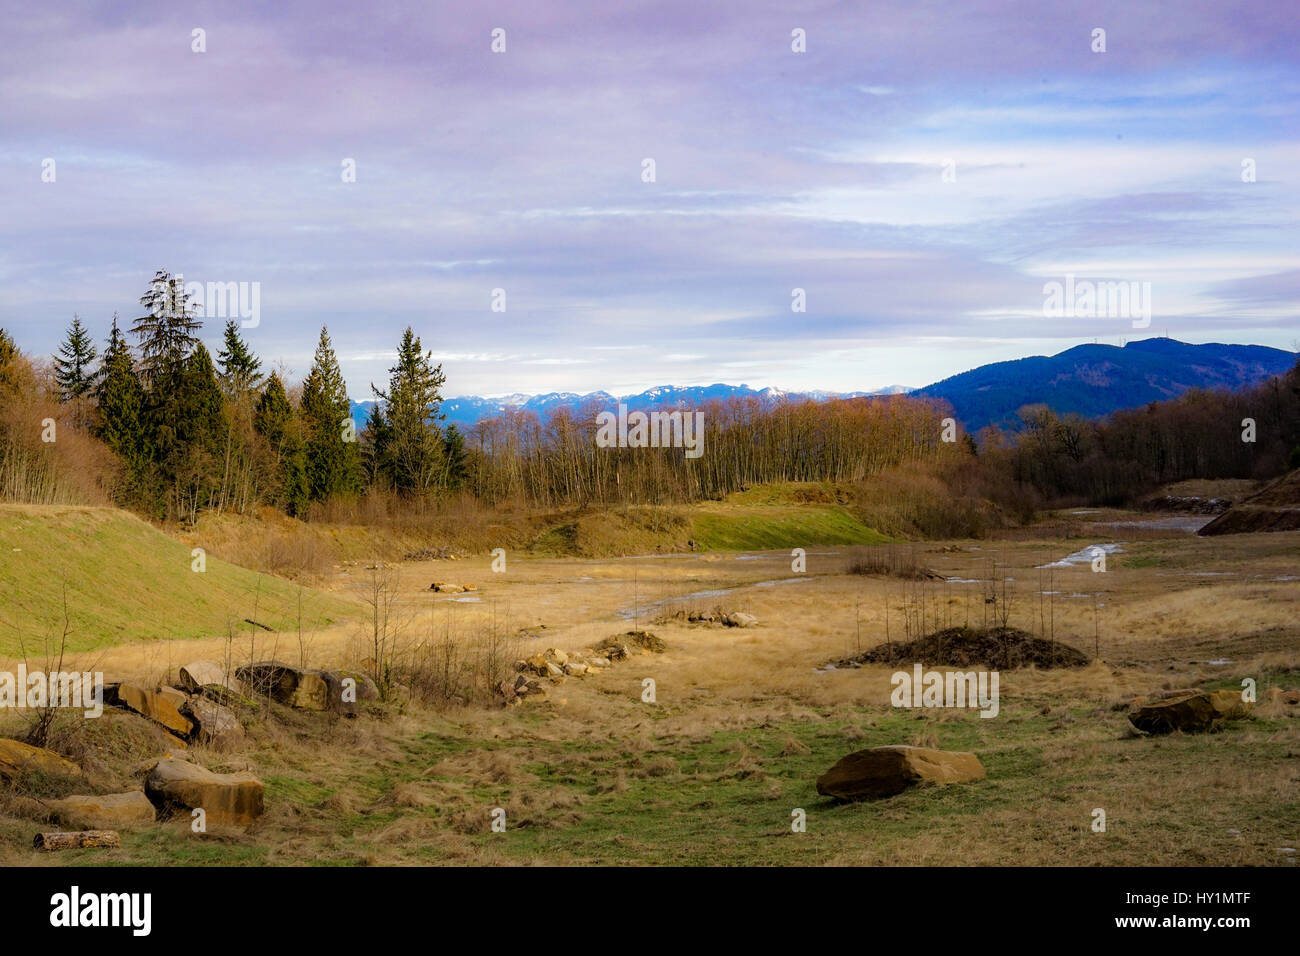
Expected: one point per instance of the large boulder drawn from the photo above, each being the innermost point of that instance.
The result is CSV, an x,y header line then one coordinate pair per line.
x,y
160,704
214,725
344,690
885,771
739,619
200,674
1189,711
232,799
312,692
18,759
294,686
107,811
366,688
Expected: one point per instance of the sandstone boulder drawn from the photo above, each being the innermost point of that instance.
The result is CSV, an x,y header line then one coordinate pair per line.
x,y
107,811
1189,711
366,688
885,771
200,674
215,726
18,759
346,689
160,704
739,619
296,687
179,786
443,588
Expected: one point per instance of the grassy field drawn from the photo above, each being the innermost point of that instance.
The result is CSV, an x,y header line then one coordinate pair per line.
x,y
746,719
125,581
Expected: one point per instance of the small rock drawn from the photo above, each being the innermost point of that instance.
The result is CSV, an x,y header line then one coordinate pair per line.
x,y
508,692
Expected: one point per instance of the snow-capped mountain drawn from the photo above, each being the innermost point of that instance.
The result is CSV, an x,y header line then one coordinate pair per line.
x,y
465,410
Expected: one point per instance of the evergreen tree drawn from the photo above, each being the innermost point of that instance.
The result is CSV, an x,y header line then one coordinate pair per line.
x,y
456,467
121,401
408,443
72,365
8,363
241,370
199,403
196,415
167,337
332,457
167,331
274,420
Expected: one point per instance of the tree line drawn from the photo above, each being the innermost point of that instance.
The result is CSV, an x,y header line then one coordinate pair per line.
x,y
162,427
1067,459
189,434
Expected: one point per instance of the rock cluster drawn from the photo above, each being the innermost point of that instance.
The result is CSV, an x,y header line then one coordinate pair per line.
x,y
719,617
554,664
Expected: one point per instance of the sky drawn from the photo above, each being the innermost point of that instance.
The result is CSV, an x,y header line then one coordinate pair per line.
x,y
920,170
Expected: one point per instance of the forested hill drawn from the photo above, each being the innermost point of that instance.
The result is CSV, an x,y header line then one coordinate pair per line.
x,y
1095,380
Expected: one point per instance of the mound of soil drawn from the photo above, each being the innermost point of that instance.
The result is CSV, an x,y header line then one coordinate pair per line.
x,y
1275,508
645,640
994,648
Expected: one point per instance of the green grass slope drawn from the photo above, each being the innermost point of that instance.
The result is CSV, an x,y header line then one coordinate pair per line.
x,y
127,581
780,515
783,515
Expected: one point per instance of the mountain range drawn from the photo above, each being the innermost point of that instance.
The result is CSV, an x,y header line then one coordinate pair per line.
x,y
1095,380
1089,380
465,410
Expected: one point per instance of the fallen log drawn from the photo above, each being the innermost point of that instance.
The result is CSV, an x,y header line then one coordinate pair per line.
x,y
77,839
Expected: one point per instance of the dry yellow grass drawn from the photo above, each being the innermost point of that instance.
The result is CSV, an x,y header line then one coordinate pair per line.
x,y
744,720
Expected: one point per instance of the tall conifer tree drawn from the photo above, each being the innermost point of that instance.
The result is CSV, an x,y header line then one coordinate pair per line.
x,y
333,457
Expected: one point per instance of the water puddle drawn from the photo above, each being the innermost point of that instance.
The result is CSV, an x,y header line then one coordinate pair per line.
x,y
642,610
1084,556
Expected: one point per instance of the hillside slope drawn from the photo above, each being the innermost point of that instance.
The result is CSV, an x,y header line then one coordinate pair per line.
x,y
125,580
1095,380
